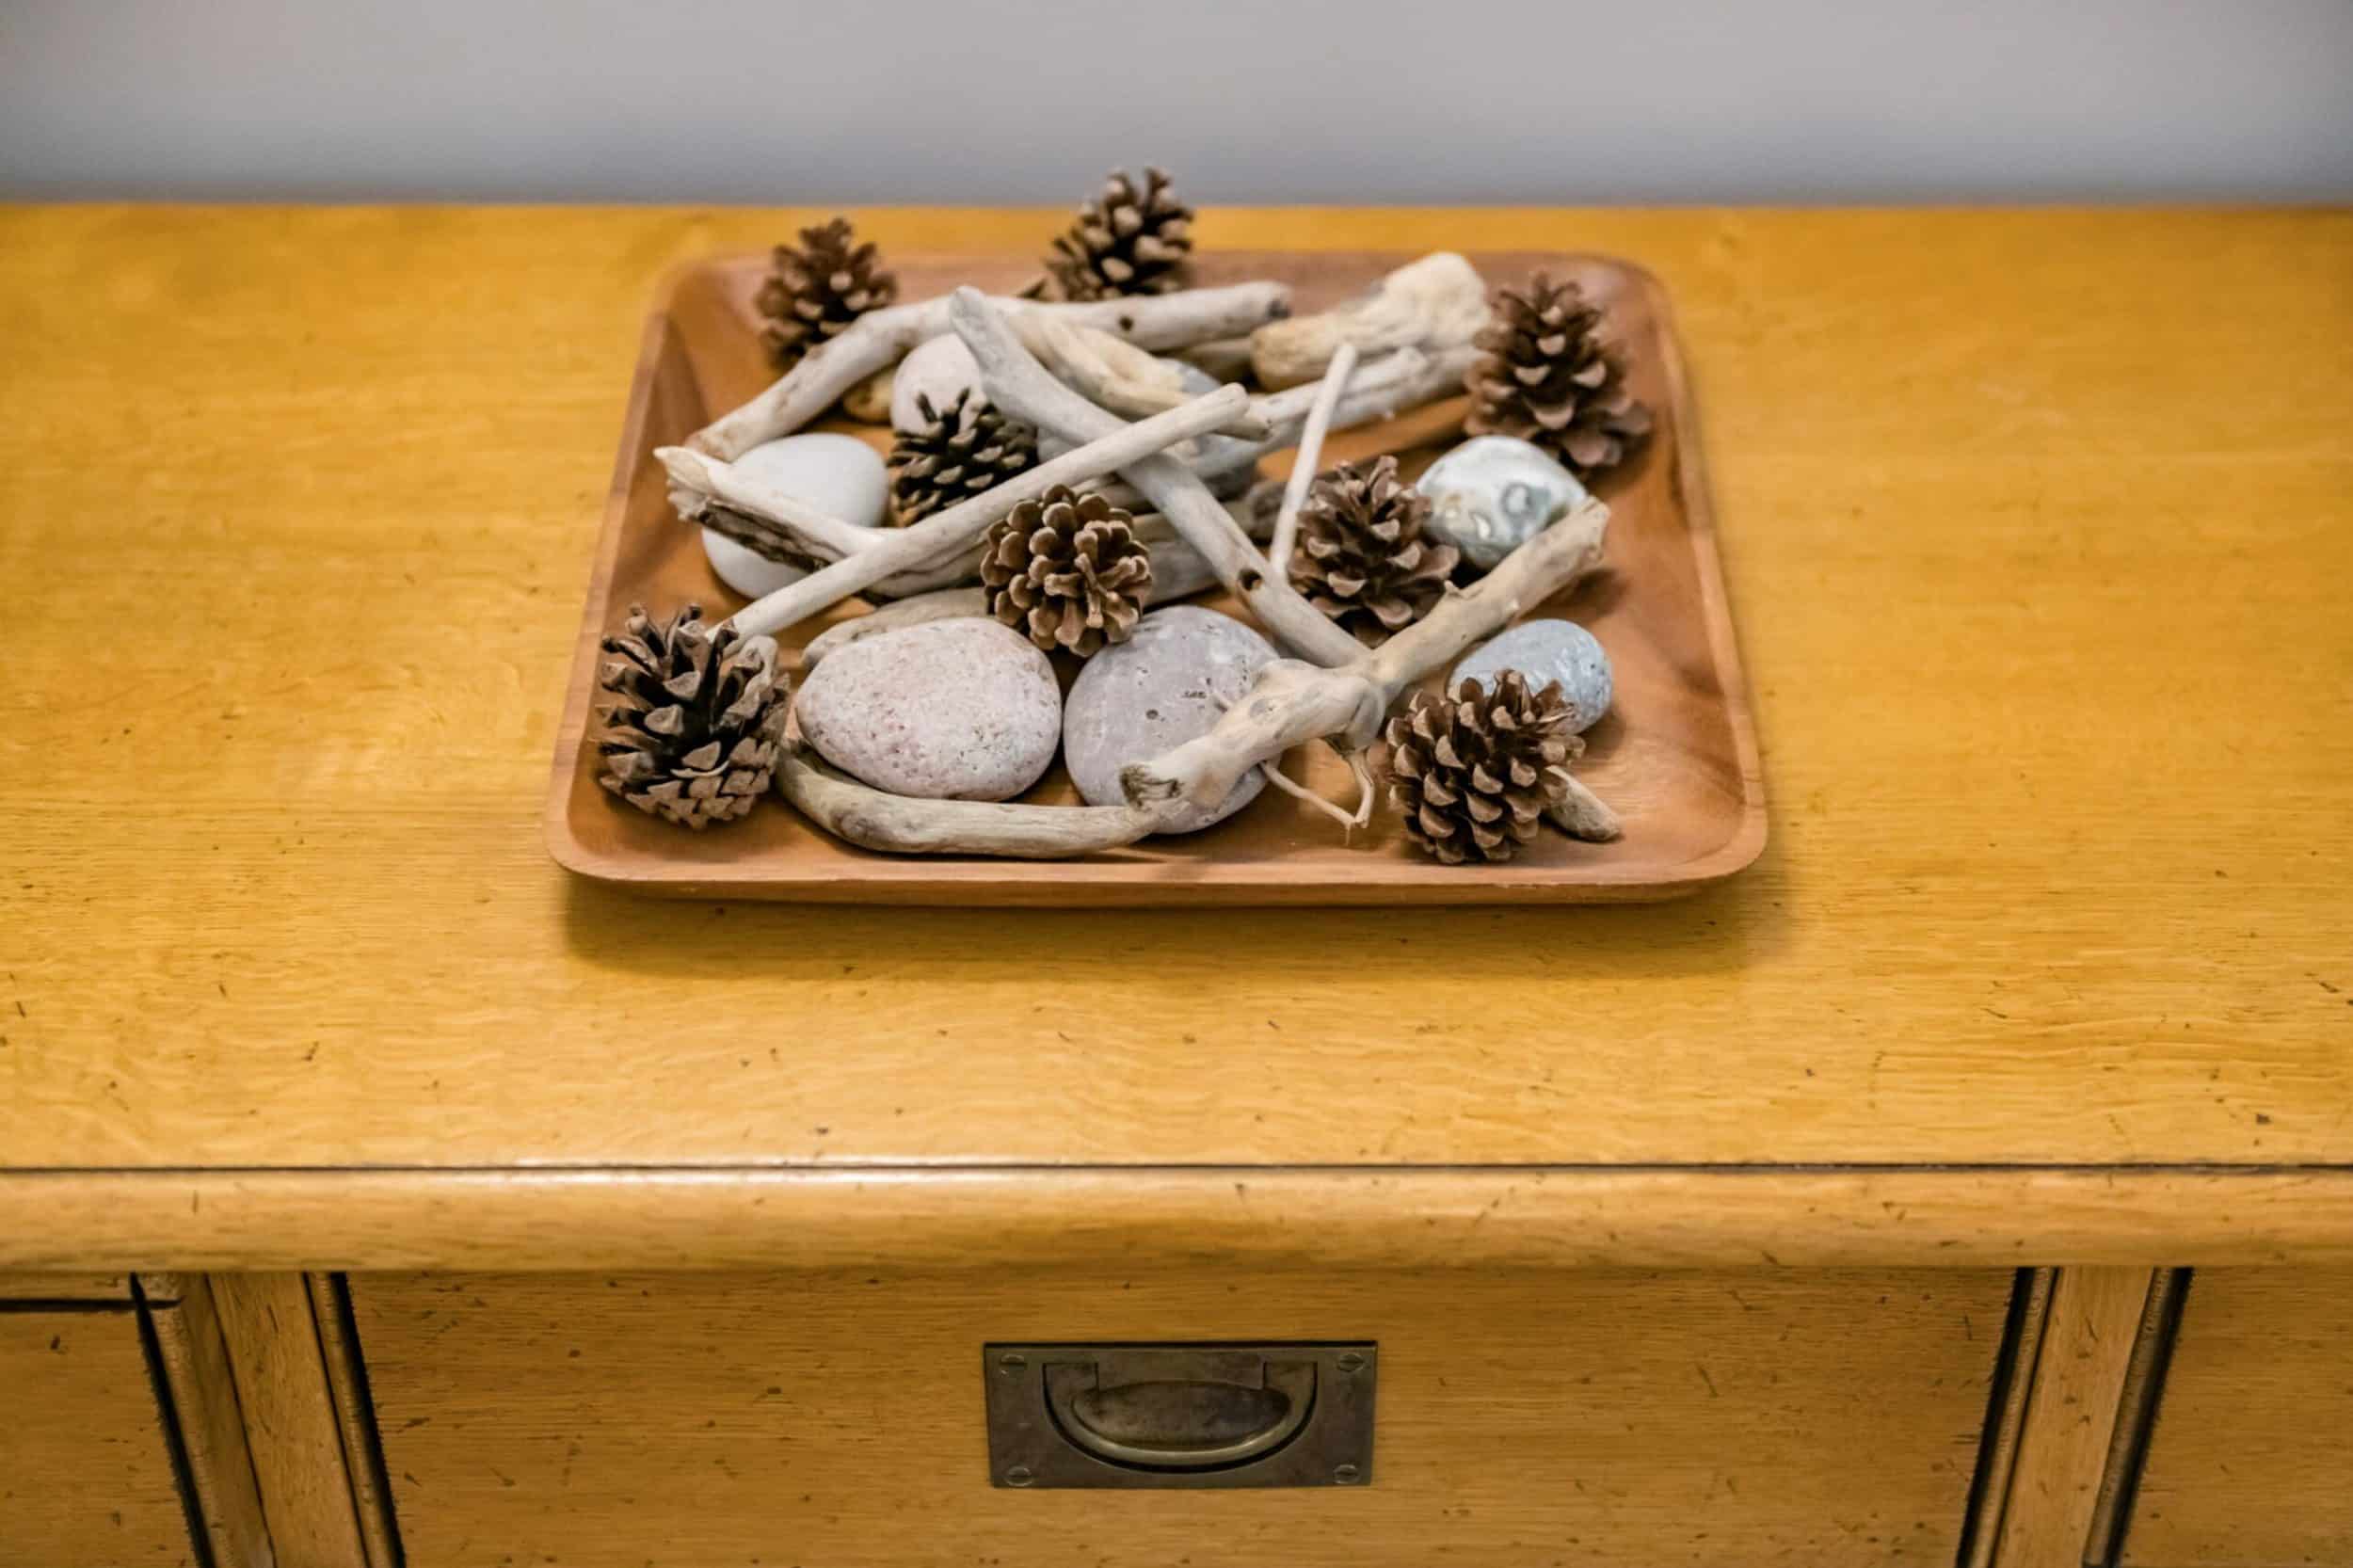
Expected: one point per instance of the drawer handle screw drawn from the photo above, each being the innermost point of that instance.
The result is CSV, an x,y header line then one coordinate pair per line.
x,y
1020,1476
1010,1363
1350,1362
1346,1475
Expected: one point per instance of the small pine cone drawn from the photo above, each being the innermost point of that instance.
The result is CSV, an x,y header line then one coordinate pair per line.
x,y
813,293
1474,773
697,719
1545,375
961,451
1125,241
1065,570
1364,558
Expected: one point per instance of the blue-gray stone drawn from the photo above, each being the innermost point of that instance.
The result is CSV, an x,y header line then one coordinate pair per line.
x,y
1545,651
1490,496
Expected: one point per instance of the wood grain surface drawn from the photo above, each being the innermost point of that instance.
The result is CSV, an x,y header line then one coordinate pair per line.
x,y
85,1477
193,1365
1675,754
1718,1421
292,1426
2252,1463
2037,524
2072,1411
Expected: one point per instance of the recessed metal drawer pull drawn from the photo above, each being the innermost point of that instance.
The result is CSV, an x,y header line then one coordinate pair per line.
x,y
1287,1413
1180,1425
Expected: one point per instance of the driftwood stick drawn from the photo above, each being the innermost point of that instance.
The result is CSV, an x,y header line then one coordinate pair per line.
x,y
1311,453
882,337
1292,703
1017,384
962,524
875,819
1584,815
1113,374
1438,302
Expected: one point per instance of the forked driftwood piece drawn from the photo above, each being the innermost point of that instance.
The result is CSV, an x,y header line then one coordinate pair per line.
x,y
1224,359
1113,374
1310,455
962,525
1437,303
1382,387
1023,388
1289,704
1584,815
880,338
1292,703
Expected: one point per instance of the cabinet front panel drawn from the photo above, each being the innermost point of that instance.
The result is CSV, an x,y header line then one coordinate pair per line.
x,y
838,1418
2251,1462
85,1475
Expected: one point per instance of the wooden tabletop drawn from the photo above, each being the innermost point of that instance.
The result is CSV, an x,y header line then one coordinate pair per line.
x,y
2039,529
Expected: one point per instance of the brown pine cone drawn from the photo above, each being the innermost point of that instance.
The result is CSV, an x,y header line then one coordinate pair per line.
x,y
965,449
1065,570
1545,375
1126,241
1363,557
698,716
1475,772
812,293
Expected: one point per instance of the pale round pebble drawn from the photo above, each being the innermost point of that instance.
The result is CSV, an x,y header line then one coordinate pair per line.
x,y
1490,495
1545,651
951,710
839,475
1165,685
938,368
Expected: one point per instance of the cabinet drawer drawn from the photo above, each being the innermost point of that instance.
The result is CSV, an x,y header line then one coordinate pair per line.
x,y
2251,1461
86,1475
1525,1417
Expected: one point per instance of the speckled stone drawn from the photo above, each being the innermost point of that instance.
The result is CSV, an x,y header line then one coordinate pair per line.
x,y
953,709
1163,686
839,475
1490,495
1545,651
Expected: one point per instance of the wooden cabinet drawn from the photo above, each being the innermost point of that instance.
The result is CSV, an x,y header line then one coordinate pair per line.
x,y
2251,1459
1536,1417
86,1468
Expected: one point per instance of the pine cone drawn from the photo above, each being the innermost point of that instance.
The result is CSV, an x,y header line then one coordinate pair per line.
x,y
694,730
1544,375
1364,559
1475,772
813,293
967,448
1065,570
1125,241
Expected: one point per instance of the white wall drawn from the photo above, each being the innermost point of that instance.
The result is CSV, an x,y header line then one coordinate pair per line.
x,y
992,101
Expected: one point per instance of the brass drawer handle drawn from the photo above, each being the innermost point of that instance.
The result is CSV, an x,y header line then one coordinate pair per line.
x,y
1180,1425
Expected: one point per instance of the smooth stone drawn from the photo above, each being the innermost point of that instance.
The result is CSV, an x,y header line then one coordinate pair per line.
x,y
939,368
839,475
951,710
1492,494
1165,685
1545,651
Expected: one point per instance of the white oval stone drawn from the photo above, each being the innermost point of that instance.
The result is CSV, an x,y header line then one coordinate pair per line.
x,y
1545,651
1492,494
839,475
1163,686
951,710
939,368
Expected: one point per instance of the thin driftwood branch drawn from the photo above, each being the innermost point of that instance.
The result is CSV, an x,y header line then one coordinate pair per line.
x,y
962,524
1112,372
1292,703
1585,815
876,819
880,338
1310,455
1437,303
1021,387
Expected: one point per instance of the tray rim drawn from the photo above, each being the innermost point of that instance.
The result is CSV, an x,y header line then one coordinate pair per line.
x,y
982,881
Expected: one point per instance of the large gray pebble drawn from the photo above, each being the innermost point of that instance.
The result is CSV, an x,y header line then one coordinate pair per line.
x,y
1492,495
1163,686
1545,651
954,709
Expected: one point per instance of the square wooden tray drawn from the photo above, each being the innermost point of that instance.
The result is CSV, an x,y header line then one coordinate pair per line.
x,y
1676,755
